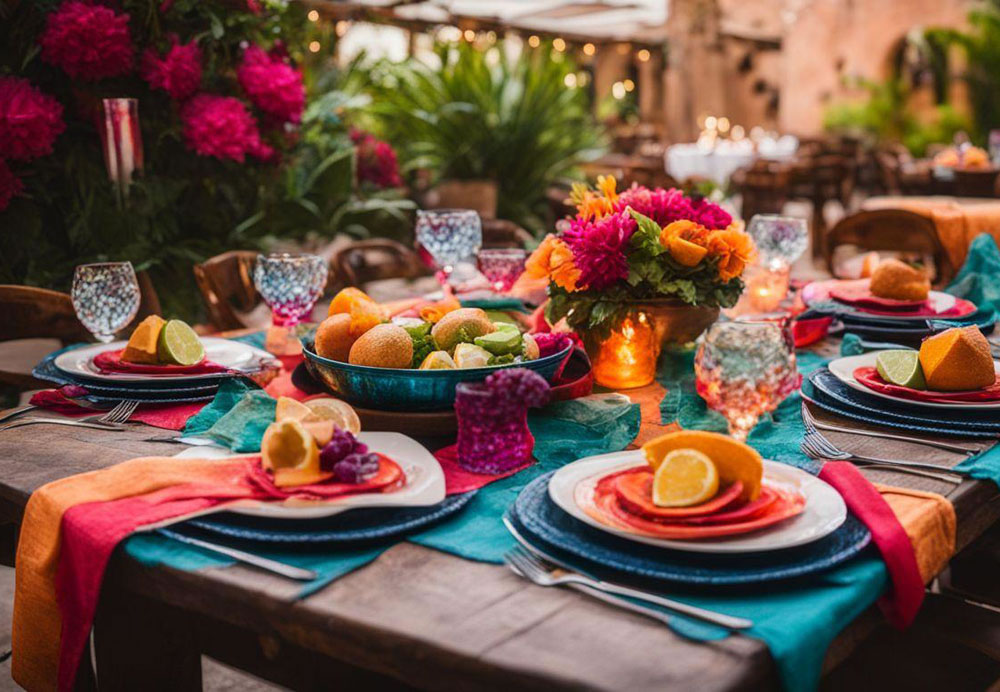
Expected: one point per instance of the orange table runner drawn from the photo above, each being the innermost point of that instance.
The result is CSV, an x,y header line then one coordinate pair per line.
x,y
958,220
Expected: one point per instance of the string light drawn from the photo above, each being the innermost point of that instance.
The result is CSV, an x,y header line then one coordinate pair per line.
x,y
711,122
534,41
341,27
644,55
470,35
629,85
313,16
589,49
559,44
618,90
314,46
738,133
570,80
723,124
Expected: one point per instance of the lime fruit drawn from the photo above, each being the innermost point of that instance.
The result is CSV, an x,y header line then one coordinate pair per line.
x,y
500,342
901,368
179,344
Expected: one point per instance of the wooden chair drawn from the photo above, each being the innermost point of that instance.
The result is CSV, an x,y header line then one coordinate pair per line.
x,y
376,259
763,188
822,179
501,233
27,312
226,284
976,183
891,230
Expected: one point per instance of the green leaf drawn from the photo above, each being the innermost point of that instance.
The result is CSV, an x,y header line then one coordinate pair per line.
x,y
647,235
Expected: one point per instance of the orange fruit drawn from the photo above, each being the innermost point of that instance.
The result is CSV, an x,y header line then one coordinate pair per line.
x,y
340,412
734,460
685,477
435,311
383,346
685,252
364,316
957,359
142,345
290,409
334,338
290,453
346,299
899,281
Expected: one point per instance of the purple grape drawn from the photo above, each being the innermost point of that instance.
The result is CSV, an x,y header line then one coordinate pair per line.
x,y
520,386
340,445
356,468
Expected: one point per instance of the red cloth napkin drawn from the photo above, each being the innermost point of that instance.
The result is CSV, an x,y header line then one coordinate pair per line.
x,y
859,294
901,603
168,416
111,361
458,480
808,332
870,378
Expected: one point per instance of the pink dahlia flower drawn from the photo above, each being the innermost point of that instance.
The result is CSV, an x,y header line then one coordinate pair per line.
x,y
666,206
87,41
30,120
178,72
221,126
377,163
273,85
10,185
599,249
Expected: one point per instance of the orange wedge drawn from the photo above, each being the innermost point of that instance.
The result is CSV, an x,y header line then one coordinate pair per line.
x,y
734,461
364,316
290,409
685,252
340,412
957,359
346,299
685,477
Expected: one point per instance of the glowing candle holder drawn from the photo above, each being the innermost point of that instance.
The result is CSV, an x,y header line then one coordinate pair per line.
x,y
627,358
766,288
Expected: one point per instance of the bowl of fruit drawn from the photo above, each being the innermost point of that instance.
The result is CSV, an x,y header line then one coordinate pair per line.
x,y
415,363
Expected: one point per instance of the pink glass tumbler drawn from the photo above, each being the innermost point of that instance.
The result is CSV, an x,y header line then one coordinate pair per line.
x,y
493,434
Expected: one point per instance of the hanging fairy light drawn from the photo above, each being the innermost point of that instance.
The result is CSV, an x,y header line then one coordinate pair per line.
x,y
629,85
570,80
559,44
314,46
469,35
618,90
589,49
534,41
644,55
341,27
313,16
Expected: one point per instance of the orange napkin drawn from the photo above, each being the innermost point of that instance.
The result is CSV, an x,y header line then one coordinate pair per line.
x,y
929,522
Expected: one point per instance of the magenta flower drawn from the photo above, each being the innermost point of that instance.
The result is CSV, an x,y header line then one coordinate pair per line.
x,y
666,206
10,185
87,41
178,72
599,249
272,85
222,126
377,163
30,120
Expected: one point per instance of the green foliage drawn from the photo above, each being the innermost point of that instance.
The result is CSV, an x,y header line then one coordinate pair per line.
x,y
885,115
981,48
184,208
423,346
482,115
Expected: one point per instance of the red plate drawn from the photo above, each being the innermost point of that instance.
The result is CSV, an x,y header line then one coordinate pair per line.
x,y
111,361
859,294
870,378
634,489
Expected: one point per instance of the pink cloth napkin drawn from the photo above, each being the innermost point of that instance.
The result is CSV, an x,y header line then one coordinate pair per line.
x,y
111,361
901,603
458,480
169,416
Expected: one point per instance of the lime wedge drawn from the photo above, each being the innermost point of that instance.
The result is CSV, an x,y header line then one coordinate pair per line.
x,y
179,344
901,368
500,342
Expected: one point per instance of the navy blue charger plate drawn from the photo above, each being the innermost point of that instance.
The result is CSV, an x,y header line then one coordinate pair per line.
x,y
540,519
354,526
835,396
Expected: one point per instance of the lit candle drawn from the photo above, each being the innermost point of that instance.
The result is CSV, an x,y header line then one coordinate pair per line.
x,y
627,358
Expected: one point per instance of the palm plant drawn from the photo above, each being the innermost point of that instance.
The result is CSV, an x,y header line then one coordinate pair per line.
x,y
485,115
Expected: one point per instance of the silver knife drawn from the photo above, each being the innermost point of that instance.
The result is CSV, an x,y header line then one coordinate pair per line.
x,y
264,563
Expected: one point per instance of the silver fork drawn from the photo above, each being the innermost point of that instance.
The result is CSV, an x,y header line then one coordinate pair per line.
x,y
534,569
112,420
812,425
817,447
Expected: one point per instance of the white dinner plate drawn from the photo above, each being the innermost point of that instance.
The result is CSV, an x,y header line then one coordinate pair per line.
x,y
843,369
79,362
823,513
424,485
819,291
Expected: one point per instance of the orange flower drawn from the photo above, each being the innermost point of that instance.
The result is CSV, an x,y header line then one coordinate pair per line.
x,y
685,230
607,184
595,204
734,249
553,259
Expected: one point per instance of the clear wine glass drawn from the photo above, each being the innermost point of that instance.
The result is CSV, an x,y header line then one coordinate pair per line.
x,y
502,266
449,235
745,369
290,284
105,297
779,237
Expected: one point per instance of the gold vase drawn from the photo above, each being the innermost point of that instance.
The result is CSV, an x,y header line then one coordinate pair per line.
x,y
627,357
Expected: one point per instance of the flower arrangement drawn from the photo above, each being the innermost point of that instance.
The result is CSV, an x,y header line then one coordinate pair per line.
x,y
639,245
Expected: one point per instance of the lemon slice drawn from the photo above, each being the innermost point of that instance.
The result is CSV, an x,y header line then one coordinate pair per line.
x,y
288,445
438,360
685,477
340,412
290,409
471,356
179,344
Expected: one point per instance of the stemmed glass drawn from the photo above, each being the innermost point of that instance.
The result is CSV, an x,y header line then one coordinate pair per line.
x,y
502,266
290,284
449,235
745,369
779,238
105,297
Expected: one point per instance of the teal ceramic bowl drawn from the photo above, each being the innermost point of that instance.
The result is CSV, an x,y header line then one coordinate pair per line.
x,y
398,389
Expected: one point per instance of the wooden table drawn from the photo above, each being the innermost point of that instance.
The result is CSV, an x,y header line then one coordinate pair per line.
x,y
413,618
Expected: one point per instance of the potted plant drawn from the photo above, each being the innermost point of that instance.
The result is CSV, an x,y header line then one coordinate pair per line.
x,y
635,271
